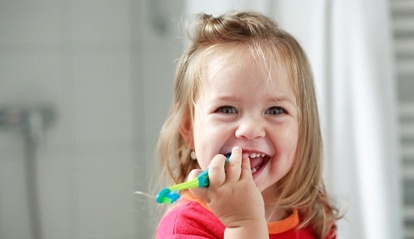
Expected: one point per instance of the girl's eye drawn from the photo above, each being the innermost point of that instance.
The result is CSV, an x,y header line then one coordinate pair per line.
x,y
227,110
275,111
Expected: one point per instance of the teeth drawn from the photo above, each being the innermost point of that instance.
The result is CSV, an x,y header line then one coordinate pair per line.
x,y
253,155
255,169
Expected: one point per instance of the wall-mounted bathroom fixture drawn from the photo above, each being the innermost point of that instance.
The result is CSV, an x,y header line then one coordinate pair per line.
x,y
32,122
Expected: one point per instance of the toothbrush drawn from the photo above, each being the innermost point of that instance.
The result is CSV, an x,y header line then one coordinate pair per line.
x,y
170,195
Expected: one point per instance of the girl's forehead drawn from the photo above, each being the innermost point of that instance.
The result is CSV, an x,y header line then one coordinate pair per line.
x,y
226,75
234,61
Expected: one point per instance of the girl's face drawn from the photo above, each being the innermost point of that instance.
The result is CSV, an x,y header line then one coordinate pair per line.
x,y
237,106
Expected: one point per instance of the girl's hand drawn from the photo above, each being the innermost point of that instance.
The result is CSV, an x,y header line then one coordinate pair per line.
x,y
232,194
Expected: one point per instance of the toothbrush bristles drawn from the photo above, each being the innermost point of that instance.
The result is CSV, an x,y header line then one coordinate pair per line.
x,y
144,194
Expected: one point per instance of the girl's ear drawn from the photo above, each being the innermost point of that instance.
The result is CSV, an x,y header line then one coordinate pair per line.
x,y
186,131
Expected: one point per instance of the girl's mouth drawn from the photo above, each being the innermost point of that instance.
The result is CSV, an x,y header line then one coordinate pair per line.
x,y
257,161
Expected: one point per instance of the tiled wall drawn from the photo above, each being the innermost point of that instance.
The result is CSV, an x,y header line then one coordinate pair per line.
x,y
107,71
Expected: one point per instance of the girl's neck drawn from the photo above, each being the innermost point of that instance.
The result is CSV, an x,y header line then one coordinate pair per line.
x,y
273,211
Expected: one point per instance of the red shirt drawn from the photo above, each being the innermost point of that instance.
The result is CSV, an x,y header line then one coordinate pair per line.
x,y
190,218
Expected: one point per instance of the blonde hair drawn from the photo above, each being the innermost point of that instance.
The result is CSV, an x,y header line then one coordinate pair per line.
x,y
302,188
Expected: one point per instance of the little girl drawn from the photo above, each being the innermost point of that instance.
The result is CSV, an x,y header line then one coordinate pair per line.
x,y
244,87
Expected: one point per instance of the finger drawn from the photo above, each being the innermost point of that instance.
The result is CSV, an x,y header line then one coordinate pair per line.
x,y
216,173
193,174
246,171
233,169
197,192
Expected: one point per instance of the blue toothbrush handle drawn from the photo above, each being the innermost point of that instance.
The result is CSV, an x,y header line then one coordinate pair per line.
x,y
203,180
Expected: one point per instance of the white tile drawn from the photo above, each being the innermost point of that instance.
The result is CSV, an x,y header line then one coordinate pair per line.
x,y
106,193
29,80
14,222
57,190
100,20
102,98
11,140
28,21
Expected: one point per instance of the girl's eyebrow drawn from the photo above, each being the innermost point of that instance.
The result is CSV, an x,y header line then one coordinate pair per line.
x,y
271,99
226,98
282,98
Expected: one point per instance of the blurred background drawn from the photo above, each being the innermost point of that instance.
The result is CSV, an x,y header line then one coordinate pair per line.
x,y
85,86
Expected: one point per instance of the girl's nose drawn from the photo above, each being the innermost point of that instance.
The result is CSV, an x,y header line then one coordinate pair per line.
x,y
250,128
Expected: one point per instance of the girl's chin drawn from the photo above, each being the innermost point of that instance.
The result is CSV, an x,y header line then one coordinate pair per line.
x,y
268,191
266,183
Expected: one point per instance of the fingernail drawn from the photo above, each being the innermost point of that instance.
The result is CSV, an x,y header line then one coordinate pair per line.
x,y
237,149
